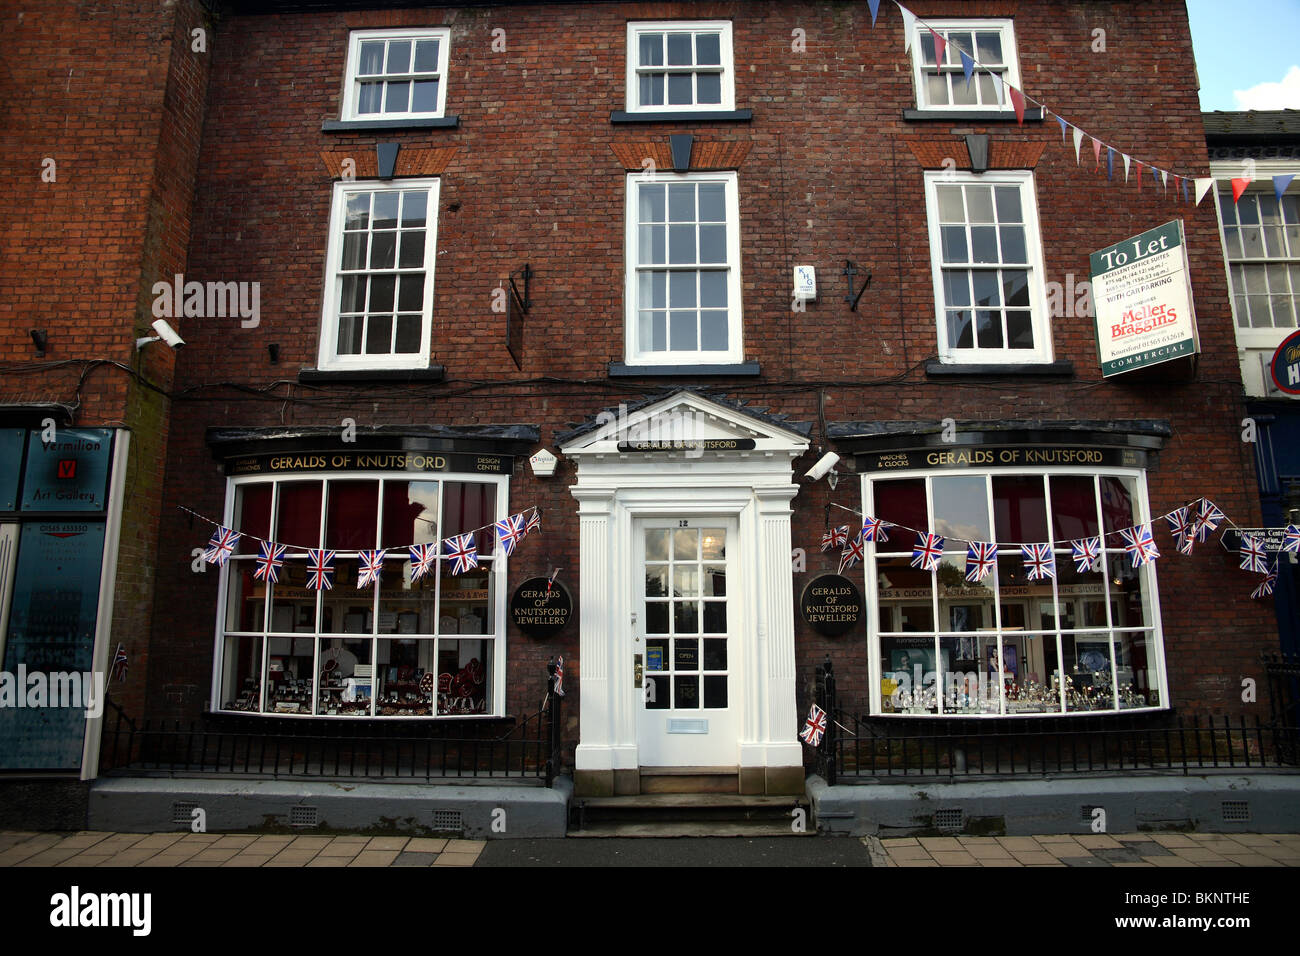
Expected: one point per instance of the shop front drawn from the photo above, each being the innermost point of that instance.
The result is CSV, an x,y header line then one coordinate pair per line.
x,y
1004,581
323,611
60,509
687,618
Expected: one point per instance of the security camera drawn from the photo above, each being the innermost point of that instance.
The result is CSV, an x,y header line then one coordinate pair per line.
x,y
165,334
824,464
168,334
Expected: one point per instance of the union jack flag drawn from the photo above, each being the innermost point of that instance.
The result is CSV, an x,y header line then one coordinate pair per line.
x,y
462,551
422,558
814,727
1139,544
981,558
372,565
852,553
927,551
320,570
270,559
1253,555
1183,527
1266,586
120,662
510,531
835,537
1291,539
1039,561
1207,519
1086,553
559,677
534,522
550,581
873,529
221,546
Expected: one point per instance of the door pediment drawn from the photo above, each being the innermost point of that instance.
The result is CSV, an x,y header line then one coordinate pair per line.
x,y
685,425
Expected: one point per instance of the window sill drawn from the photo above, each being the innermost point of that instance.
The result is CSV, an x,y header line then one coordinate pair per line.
x,y
314,376
735,370
349,126
1033,114
683,116
1059,369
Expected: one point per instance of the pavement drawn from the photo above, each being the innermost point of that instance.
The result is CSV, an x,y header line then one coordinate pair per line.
x,y
99,848
1099,849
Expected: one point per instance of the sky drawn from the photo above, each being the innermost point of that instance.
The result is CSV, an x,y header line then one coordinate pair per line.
x,y
1247,54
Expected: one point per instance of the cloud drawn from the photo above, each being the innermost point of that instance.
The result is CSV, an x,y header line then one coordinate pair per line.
x,y
1272,96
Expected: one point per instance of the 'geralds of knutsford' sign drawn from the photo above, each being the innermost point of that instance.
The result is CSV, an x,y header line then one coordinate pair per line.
x,y
1142,292
1285,366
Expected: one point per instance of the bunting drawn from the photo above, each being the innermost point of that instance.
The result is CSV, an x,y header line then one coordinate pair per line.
x,y
1253,555
835,538
423,557
927,552
1139,544
461,551
1086,553
1019,101
981,558
270,559
853,553
320,569
221,546
1040,563
370,567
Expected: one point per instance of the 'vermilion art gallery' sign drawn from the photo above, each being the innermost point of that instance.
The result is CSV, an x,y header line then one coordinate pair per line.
x,y
1142,292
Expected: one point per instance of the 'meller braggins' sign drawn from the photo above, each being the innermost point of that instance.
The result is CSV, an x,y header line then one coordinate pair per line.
x,y
1143,297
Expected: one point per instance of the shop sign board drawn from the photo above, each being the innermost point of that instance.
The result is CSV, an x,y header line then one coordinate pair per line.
x,y
1142,293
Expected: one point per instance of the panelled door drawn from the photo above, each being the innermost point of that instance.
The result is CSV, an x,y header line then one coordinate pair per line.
x,y
685,638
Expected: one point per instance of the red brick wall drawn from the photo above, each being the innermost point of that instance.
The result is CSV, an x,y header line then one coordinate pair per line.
x,y
114,95
828,176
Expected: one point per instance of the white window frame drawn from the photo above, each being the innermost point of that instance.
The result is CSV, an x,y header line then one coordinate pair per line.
x,y
734,354
352,81
634,68
1012,76
328,357
1223,171
497,564
901,541
1039,315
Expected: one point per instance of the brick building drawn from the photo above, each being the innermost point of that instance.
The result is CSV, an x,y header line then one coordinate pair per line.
x,y
475,232
101,158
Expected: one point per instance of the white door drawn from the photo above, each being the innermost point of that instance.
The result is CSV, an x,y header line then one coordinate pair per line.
x,y
684,636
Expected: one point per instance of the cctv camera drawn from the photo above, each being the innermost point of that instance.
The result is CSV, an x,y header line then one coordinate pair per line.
x,y
824,464
168,334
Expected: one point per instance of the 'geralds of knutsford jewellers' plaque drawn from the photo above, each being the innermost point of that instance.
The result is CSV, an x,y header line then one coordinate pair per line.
x,y
537,612
832,604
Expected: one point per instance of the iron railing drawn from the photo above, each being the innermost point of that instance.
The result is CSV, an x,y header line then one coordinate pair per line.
x,y
220,744
861,747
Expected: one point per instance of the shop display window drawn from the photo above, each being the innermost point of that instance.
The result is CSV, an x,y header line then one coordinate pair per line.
x,y
1009,645
398,649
